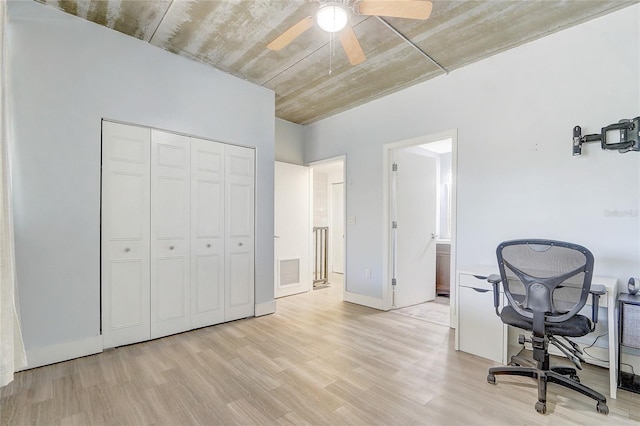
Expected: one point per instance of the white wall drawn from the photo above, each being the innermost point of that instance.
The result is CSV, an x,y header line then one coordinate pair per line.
x,y
67,74
289,142
516,176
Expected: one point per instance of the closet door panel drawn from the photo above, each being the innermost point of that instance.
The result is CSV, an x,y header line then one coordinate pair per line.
x,y
208,202
240,279
127,295
170,248
171,202
208,288
128,215
239,232
207,232
171,289
125,234
240,205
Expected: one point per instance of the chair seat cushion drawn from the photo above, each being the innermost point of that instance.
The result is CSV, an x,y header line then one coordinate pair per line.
x,y
576,326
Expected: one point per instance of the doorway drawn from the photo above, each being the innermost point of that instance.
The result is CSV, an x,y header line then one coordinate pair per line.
x,y
328,217
419,202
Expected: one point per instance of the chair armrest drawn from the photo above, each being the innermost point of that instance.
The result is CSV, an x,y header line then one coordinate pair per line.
x,y
596,291
495,280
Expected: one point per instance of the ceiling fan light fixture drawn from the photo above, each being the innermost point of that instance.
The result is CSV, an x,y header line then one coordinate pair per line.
x,y
332,16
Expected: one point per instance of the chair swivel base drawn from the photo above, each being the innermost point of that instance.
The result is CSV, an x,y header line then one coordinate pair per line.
x,y
549,376
565,371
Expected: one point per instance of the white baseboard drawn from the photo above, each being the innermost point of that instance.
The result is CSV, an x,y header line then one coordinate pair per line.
x,y
359,299
62,352
265,308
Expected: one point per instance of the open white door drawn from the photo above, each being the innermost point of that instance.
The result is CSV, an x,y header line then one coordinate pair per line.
x,y
414,198
292,230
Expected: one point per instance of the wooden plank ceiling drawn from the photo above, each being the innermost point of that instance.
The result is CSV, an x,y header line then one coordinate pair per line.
x,y
231,36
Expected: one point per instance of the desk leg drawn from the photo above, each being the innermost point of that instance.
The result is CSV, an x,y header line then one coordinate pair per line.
x,y
613,343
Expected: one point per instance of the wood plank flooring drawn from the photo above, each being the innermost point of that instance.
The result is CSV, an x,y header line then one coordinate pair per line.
x,y
317,361
435,311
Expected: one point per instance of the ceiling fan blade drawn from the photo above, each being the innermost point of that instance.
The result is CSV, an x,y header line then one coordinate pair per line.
x,y
413,9
351,46
288,36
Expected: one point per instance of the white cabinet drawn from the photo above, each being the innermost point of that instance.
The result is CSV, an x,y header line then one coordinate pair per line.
x,y
480,330
177,233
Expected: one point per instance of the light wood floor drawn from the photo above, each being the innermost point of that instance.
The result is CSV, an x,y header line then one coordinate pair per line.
x,y
316,361
436,311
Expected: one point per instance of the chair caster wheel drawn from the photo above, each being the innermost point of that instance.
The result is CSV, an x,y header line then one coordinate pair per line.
x,y
575,378
602,408
541,407
491,378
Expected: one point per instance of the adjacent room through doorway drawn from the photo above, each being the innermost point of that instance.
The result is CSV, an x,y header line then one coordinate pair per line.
x,y
420,199
328,218
309,240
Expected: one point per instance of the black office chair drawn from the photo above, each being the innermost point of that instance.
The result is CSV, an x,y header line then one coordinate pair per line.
x,y
547,283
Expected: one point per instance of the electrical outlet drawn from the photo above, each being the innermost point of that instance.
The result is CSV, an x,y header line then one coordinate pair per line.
x,y
367,273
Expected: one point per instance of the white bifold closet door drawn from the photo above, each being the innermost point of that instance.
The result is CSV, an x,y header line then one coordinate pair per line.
x,y
125,234
177,233
170,236
239,233
207,233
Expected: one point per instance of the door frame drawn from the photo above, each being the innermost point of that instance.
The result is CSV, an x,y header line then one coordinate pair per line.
x,y
314,164
387,149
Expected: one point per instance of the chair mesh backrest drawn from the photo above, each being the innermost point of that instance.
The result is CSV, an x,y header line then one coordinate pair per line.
x,y
547,276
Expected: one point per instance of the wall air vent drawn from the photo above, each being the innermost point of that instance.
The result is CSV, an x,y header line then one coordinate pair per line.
x,y
289,272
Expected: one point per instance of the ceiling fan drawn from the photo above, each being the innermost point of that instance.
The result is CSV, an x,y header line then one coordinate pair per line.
x,y
333,17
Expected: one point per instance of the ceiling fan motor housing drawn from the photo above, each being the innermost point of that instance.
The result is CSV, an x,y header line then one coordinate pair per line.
x,y
332,16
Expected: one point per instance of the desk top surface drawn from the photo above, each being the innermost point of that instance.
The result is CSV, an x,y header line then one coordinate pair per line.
x,y
610,283
629,298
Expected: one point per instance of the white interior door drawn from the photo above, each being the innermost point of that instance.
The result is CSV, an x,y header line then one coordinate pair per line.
x,y
170,236
337,228
292,229
125,234
415,208
239,232
207,233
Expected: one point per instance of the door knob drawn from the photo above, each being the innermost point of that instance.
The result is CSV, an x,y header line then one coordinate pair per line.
x,y
171,247
127,250
208,245
239,244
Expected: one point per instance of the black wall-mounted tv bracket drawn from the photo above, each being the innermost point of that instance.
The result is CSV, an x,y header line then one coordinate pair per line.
x,y
629,137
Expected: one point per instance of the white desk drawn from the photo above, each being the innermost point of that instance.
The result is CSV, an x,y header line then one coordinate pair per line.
x,y
479,330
